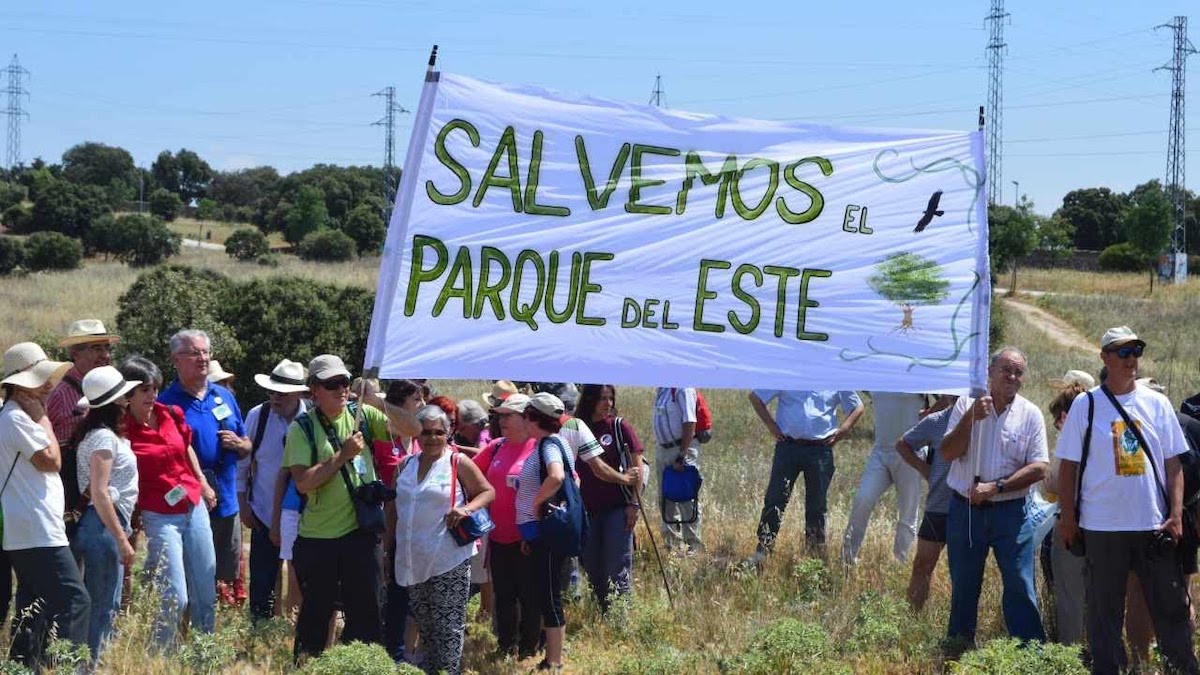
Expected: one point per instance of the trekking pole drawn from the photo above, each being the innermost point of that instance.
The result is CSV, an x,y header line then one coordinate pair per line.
x,y
637,490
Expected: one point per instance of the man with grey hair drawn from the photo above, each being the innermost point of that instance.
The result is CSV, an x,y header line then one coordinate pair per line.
x,y
997,448
219,439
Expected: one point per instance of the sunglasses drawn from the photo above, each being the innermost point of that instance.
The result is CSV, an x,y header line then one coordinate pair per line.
x,y
433,432
1128,351
334,385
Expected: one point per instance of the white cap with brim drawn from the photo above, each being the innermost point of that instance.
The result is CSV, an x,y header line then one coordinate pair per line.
x,y
546,403
326,367
288,377
104,385
1121,335
514,403
26,365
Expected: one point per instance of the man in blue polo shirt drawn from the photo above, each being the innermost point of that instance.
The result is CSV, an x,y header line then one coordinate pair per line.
x,y
805,428
219,439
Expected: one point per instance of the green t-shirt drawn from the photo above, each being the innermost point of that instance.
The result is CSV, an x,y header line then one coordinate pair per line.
x,y
329,513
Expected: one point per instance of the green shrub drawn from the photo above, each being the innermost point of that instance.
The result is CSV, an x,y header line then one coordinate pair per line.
x,y
812,578
12,194
16,218
53,251
327,246
665,660
167,299
253,324
208,652
358,658
138,239
786,646
68,657
165,204
13,668
1008,657
12,254
997,324
878,624
1123,257
246,243
365,225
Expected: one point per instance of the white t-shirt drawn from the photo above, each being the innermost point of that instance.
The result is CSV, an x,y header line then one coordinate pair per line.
x,y
33,501
1120,492
1013,440
424,546
894,415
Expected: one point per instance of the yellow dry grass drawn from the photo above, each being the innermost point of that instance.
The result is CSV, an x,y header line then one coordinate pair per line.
x,y
719,604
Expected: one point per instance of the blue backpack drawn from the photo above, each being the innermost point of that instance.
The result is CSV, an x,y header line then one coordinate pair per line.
x,y
564,528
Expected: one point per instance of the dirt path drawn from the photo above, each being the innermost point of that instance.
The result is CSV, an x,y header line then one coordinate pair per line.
x,y
1055,328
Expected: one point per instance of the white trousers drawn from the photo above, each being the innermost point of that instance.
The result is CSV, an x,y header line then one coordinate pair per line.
x,y
884,469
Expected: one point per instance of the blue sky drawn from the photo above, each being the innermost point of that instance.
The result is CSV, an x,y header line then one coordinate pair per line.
x,y
289,82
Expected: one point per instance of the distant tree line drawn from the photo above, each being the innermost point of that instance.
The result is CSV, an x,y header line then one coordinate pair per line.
x,y
95,196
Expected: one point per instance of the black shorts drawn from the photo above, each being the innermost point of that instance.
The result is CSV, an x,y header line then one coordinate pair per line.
x,y
933,528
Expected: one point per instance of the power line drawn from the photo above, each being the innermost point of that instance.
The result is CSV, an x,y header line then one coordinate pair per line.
x,y
995,101
1176,156
15,112
656,95
388,122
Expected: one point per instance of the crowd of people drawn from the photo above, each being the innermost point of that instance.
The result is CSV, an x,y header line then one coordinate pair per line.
x,y
393,505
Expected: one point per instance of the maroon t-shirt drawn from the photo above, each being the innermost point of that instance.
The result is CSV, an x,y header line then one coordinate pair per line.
x,y
598,495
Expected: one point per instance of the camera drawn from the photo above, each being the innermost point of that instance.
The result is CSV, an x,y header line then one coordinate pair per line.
x,y
374,492
1161,544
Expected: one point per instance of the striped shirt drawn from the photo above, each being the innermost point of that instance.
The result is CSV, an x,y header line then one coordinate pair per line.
x,y
528,485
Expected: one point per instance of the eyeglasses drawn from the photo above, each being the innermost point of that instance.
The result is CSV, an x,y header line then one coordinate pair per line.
x,y
194,353
1014,371
433,432
102,347
1128,351
334,385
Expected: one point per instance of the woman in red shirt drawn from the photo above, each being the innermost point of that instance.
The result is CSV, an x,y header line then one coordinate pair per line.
x,y
513,578
180,559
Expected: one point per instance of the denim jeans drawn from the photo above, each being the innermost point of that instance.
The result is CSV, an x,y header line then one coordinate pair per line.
x,y
608,554
792,458
885,468
970,533
264,571
183,567
102,576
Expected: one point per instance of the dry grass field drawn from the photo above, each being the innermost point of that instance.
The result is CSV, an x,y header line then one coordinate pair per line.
x,y
851,620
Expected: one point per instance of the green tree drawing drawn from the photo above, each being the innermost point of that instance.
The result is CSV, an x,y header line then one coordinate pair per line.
x,y
909,280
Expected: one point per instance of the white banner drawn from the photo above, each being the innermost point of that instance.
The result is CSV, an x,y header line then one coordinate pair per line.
x,y
544,236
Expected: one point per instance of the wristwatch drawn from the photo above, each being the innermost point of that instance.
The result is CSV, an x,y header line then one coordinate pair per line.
x,y
1000,486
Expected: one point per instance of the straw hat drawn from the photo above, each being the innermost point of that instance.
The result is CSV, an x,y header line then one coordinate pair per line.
x,y
26,365
513,403
501,390
104,385
288,377
216,373
85,331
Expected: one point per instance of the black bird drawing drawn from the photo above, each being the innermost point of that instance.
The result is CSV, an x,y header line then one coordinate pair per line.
x,y
930,211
